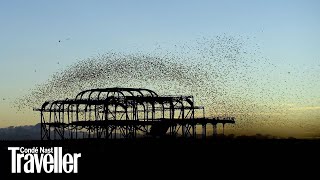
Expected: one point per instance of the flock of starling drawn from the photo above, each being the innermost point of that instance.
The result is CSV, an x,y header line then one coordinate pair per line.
x,y
226,74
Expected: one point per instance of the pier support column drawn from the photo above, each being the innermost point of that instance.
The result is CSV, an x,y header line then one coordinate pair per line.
x,y
194,131
204,131
185,130
214,130
183,126
223,128
173,130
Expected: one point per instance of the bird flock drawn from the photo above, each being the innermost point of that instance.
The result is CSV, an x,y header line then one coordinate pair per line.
x,y
226,74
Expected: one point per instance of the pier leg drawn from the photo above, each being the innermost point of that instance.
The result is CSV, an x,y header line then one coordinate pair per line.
x,y
223,128
204,131
215,132
183,130
194,127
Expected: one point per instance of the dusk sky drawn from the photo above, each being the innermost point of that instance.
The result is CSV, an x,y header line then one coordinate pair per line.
x,y
40,38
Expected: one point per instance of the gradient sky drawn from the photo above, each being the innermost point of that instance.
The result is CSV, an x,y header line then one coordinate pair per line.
x,y
287,32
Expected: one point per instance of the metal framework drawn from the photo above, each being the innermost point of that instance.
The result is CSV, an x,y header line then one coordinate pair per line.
x,y
124,113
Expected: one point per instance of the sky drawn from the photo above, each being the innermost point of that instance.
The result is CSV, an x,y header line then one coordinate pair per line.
x,y
40,38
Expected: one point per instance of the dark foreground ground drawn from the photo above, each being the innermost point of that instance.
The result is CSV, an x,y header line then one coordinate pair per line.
x,y
177,158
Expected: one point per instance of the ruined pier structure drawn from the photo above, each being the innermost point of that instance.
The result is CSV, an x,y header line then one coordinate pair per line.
x,y
125,113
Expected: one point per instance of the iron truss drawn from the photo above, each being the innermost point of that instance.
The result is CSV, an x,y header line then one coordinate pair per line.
x,y
124,113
